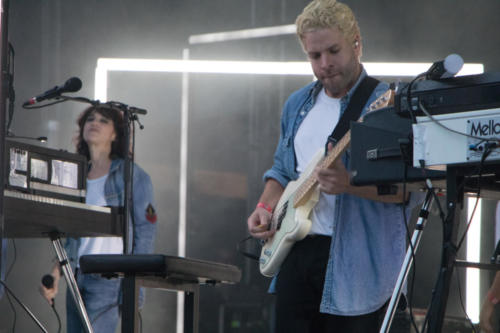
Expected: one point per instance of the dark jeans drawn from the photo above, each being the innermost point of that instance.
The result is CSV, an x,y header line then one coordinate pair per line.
x,y
100,296
299,290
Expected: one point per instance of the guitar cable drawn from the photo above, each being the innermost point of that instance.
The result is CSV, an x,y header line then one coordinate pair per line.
x,y
9,270
492,141
408,96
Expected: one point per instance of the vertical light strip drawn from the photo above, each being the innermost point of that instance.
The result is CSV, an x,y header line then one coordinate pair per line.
x,y
183,185
473,254
101,83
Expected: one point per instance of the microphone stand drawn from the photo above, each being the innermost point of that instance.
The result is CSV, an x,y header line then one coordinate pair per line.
x,y
42,139
127,180
129,116
85,100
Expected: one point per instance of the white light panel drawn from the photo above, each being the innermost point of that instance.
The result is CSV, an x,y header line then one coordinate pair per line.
x,y
105,65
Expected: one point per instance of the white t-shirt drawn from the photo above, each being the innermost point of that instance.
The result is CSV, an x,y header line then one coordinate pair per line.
x,y
98,245
311,137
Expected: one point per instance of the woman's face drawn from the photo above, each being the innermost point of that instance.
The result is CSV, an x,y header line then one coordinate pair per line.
x,y
98,130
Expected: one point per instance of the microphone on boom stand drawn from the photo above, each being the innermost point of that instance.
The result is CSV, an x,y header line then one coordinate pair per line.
x,y
73,84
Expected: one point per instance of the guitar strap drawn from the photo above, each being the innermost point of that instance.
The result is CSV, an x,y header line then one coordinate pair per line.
x,y
353,110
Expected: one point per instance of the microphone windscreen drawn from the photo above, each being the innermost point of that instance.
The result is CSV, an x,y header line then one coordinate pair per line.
x,y
453,64
48,281
73,84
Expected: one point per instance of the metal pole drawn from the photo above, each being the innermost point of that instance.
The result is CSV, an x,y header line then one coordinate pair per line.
x,y
454,200
4,46
70,280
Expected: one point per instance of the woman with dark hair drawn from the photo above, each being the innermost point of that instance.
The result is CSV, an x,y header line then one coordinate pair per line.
x,y
101,140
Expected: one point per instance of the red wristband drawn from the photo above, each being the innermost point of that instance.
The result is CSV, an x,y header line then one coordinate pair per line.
x,y
266,207
492,298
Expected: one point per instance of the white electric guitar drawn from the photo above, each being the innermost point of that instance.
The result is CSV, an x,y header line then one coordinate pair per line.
x,y
291,215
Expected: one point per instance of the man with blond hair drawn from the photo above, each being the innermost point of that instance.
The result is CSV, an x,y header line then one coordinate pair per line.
x,y
339,277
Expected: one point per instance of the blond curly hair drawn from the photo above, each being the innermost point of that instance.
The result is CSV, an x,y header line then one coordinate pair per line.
x,y
321,14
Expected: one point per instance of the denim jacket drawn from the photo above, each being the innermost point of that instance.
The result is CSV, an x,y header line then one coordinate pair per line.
x,y
368,237
143,230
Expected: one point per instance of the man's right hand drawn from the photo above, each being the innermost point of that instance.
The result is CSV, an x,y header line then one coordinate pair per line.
x,y
259,224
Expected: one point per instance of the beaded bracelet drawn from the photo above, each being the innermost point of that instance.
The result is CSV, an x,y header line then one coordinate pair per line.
x,y
492,298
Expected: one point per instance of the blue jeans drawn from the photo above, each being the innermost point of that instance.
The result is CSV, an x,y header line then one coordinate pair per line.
x,y
100,296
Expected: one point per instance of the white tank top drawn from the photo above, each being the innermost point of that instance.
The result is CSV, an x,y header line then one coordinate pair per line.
x,y
98,245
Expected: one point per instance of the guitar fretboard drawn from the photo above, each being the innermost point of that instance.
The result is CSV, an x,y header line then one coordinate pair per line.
x,y
303,193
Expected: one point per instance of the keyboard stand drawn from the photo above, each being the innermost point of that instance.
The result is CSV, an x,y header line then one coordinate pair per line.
x,y
160,272
55,237
131,285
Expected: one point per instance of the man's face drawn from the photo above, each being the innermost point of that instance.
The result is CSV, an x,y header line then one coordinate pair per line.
x,y
334,60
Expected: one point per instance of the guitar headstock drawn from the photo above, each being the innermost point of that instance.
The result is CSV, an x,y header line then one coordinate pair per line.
x,y
385,100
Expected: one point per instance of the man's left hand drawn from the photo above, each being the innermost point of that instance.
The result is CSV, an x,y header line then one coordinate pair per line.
x,y
333,180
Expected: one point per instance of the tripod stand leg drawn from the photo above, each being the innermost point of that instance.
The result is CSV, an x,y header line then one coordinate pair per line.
x,y
405,268
70,280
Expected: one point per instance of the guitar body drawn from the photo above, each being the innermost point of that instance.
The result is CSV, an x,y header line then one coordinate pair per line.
x,y
291,223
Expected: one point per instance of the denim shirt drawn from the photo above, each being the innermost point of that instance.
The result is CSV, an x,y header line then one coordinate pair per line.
x,y
368,237
143,230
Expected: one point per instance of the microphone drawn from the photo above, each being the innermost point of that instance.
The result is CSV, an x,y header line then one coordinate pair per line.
x,y
48,281
73,84
443,69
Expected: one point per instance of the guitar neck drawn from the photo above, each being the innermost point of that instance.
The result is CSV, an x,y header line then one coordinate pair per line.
x,y
304,191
